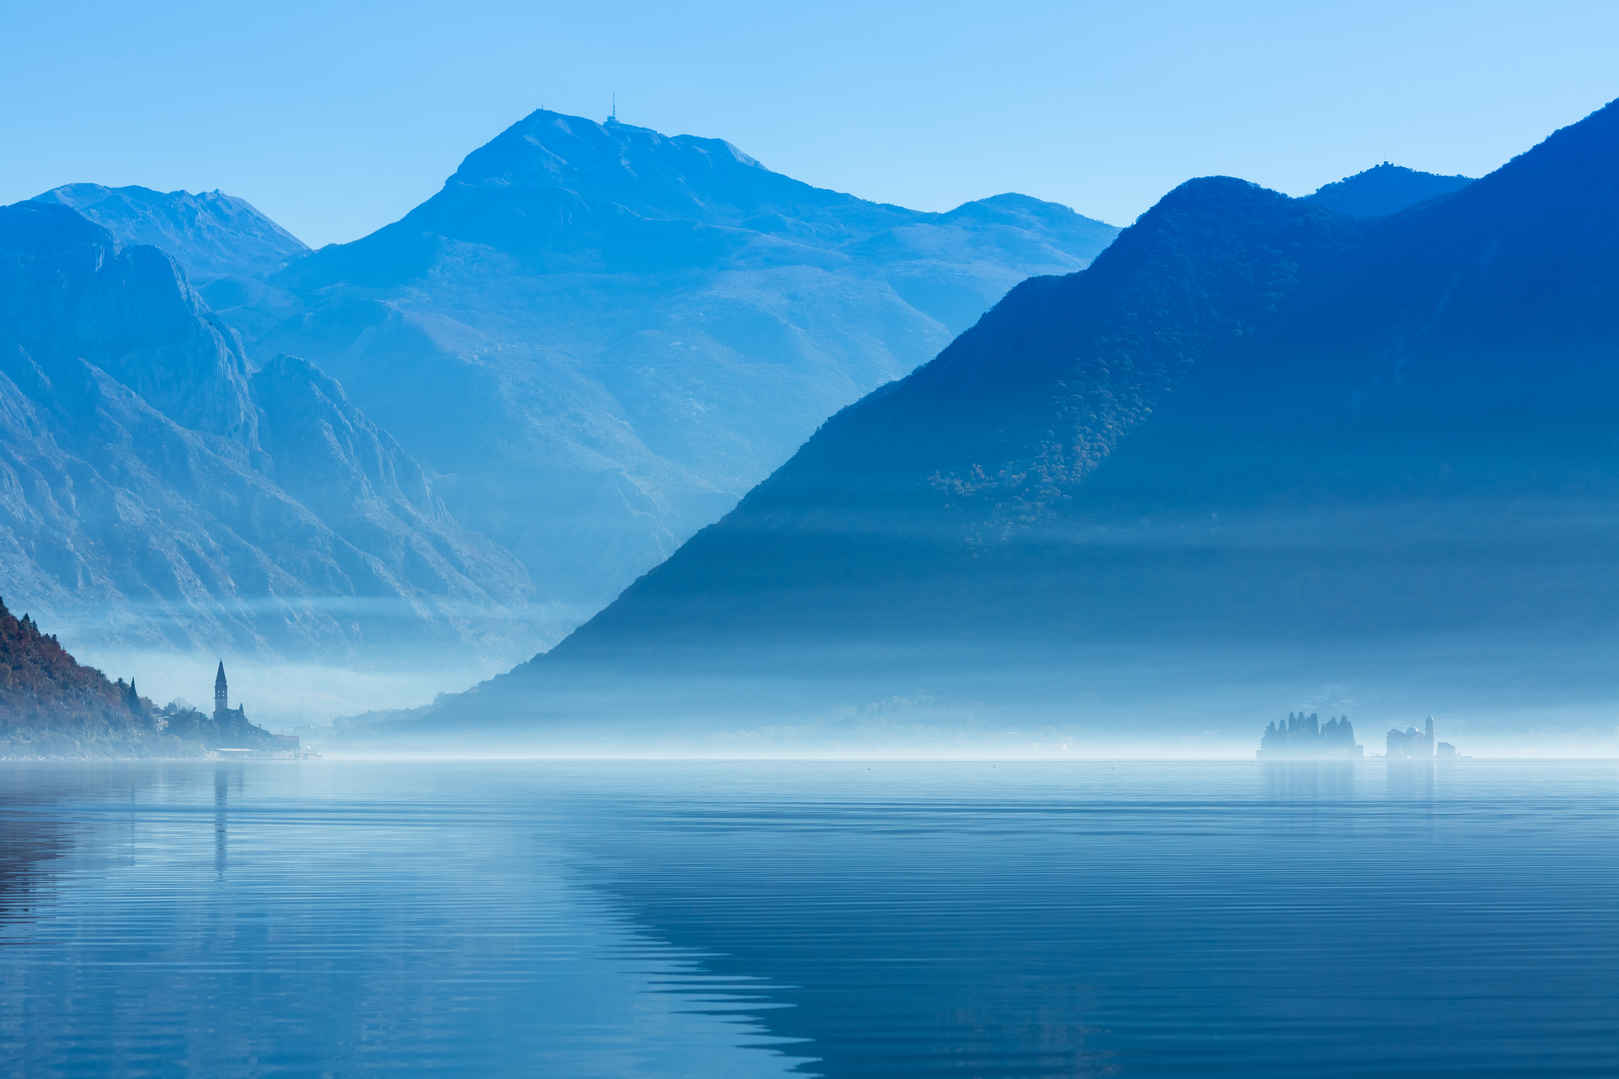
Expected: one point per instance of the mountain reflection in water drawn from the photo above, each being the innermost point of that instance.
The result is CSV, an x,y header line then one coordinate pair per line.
x,y
745,918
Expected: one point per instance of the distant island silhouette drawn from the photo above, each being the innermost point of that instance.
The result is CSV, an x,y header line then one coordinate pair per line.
x,y
1304,737
1413,745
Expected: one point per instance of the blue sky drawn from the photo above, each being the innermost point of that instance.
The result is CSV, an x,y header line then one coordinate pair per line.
x,y
337,118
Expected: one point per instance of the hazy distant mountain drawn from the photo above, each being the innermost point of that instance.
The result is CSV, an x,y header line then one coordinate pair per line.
x,y
600,336
1385,189
154,489
211,234
1259,450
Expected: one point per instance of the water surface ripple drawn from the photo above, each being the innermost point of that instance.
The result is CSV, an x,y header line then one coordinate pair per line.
x,y
841,919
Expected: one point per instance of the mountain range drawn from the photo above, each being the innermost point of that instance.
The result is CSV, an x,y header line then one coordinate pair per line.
x,y
505,405
599,337
156,488
1262,450
212,234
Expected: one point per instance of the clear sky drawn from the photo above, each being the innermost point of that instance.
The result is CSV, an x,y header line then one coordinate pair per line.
x,y
337,117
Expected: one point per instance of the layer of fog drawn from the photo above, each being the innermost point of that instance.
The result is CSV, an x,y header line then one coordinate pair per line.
x,y
294,696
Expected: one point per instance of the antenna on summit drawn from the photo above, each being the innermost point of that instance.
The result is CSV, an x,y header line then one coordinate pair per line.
x,y
612,117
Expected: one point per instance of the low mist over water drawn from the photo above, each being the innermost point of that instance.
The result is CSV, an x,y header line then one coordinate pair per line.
x,y
764,918
289,695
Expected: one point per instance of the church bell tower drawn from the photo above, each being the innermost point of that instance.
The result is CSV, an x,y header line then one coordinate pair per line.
x,y
221,692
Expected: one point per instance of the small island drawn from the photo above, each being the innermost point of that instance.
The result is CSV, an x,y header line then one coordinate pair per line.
x,y
1414,745
1305,737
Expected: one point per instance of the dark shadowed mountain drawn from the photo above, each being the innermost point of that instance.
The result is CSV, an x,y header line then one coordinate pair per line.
x,y
51,705
1385,189
599,336
155,490
210,233
1259,451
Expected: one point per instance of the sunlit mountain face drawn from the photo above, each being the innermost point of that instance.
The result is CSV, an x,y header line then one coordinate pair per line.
x,y
1260,444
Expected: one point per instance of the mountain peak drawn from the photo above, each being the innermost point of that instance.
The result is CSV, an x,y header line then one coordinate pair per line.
x,y
1010,207
1384,189
546,149
211,234
1213,198
596,310
571,193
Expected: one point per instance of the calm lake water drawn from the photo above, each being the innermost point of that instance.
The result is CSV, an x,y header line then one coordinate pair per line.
x,y
740,919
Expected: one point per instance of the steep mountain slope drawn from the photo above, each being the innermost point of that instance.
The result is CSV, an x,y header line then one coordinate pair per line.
x,y
1385,189
210,233
600,336
153,490
51,705
1258,449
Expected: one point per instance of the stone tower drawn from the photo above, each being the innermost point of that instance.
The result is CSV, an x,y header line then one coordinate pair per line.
x,y
221,692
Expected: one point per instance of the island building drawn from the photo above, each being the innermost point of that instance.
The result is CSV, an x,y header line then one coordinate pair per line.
x,y
224,715
233,734
1413,745
1305,737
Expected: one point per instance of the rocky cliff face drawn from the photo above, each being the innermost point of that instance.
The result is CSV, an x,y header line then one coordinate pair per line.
x,y
70,293
212,234
153,487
